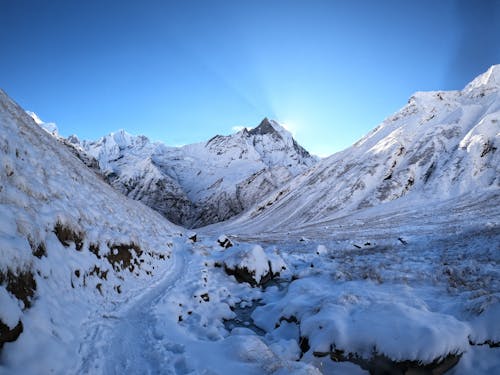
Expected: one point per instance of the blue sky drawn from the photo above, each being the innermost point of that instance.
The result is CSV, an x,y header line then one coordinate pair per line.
x,y
183,71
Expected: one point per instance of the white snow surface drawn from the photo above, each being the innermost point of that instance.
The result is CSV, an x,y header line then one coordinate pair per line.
x,y
11,311
49,127
366,272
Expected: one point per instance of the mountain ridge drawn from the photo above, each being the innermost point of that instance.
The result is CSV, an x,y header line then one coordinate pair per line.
x,y
441,144
201,183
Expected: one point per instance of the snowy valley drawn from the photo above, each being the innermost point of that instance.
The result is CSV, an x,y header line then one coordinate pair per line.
x,y
381,259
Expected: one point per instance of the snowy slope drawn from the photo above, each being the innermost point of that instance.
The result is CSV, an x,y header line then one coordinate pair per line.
x,y
393,244
201,183
71,246
382,283
94,282
440,145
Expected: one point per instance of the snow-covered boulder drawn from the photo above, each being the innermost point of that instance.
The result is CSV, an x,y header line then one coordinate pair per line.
x,y
224,242
253,265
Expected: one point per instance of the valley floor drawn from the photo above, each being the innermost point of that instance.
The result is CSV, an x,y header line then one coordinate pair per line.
x,y
369,293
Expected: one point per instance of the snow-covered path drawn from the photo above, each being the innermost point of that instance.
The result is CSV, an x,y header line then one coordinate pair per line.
x,y
126,341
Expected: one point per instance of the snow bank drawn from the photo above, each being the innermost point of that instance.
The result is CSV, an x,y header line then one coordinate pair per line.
x,y
10,313
486,327
365,319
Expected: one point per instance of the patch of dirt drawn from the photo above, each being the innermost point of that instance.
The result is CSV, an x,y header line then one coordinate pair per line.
x,y
103,275
94,249
124,256
66,235
38,250
20,284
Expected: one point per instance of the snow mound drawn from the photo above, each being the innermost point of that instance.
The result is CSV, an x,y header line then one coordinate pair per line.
x,y
486,327
364,321
252,264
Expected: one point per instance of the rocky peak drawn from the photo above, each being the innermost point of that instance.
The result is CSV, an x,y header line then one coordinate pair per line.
x,y
265,127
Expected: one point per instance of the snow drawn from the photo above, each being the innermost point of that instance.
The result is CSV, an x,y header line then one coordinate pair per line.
x,y
480,360
321,250
485,326
10,312
488,80
363,270
49,127
42,183
253,259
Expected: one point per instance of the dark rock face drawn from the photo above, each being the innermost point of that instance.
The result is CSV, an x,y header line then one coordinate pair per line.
x,y
265,127
224,242
163,195
243,275
89,161
382,365
9,335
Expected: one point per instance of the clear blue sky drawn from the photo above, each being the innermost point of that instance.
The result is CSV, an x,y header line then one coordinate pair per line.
x,y
183,71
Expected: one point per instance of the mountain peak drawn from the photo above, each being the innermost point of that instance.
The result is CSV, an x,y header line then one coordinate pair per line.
x,y
266,126
488,80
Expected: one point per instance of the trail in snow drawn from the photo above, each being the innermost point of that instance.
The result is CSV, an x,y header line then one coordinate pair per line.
x,y
126,342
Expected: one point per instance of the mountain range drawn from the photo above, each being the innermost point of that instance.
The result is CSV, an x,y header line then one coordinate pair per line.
x,y
382,258
201,183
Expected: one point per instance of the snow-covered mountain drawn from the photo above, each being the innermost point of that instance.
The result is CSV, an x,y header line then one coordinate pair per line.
x,y
94,282
70,244
441,145
201,183
381,259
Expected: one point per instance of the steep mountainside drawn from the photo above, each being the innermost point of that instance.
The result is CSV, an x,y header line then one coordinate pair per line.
x,y
69,243
201,183
440,145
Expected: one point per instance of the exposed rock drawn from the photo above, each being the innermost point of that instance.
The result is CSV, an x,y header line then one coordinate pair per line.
x,y
253,265
244,275
193,237
224,242
9,335
382,365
